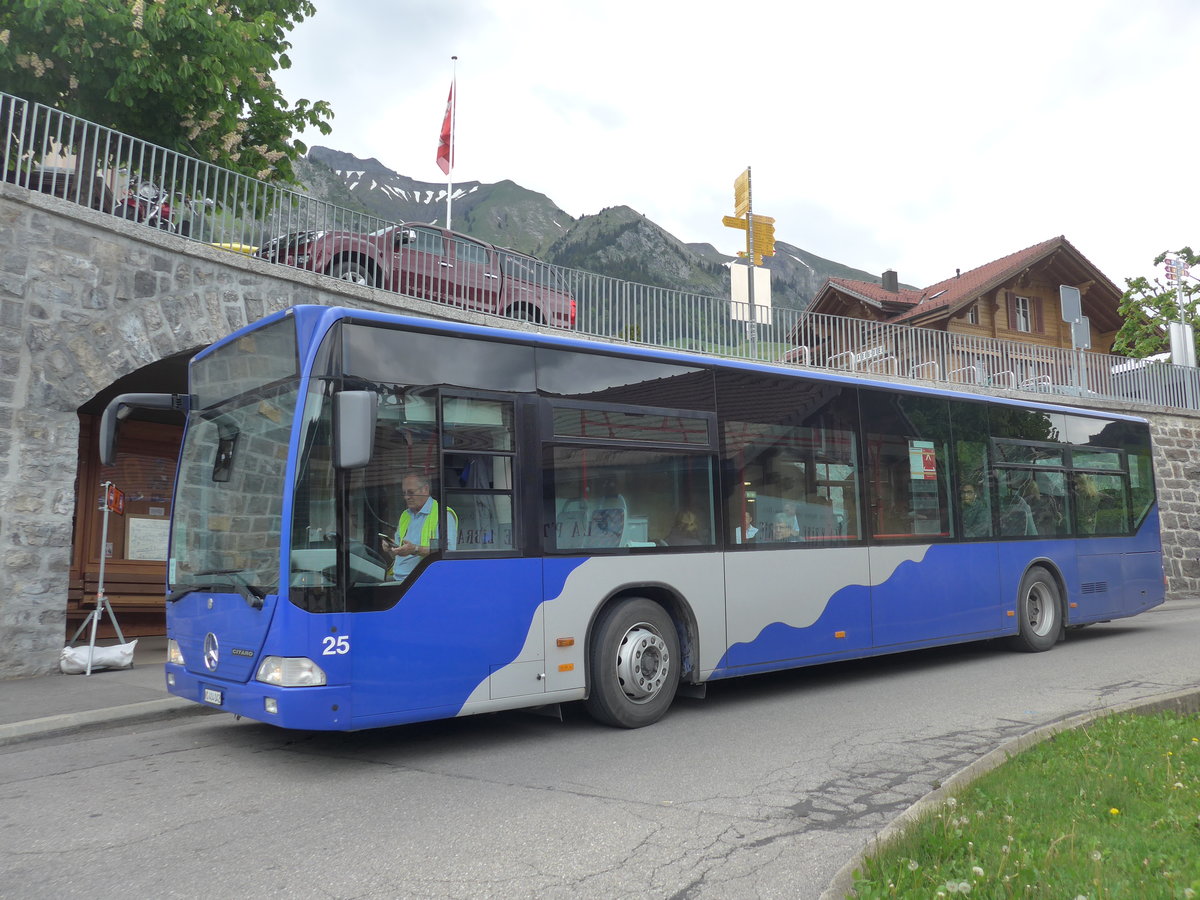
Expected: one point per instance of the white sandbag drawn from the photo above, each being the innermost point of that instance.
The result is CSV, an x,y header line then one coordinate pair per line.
x,y
74,660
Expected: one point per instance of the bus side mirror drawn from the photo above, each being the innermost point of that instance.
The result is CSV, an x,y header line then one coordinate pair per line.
x,y
353,428
121,406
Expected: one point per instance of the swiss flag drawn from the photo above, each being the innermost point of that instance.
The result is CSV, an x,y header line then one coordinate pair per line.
x,y
445,154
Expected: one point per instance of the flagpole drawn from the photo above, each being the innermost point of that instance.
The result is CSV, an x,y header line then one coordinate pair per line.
x,y
453,111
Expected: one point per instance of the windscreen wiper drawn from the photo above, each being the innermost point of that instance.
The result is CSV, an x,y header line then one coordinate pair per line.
x,y
252,594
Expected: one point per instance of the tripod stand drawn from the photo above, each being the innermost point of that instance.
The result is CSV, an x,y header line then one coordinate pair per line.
x,y
102,604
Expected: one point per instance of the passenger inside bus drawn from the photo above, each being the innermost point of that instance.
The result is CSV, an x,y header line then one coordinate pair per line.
x,y
783,529
977,521
1016,518
746,532
1087,503
686,530
1047,511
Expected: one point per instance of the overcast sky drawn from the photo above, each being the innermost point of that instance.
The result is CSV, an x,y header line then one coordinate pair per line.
x,y
918,136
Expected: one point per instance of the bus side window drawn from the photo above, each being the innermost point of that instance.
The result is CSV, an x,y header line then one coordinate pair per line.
x,y
477,464
595,489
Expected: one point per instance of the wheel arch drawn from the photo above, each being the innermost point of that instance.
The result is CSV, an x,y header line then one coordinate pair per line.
x,y
675,605
533,312
366,260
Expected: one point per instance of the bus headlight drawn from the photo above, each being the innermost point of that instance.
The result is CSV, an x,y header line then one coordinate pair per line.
x,y
174,654
290,671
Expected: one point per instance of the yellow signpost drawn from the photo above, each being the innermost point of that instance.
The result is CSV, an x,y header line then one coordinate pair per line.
x,y
741,195
760,230
760,237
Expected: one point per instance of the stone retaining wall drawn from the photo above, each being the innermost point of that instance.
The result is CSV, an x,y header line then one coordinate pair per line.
x,y
85,299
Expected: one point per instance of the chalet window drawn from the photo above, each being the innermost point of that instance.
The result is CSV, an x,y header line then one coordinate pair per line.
x,y
1025,314
973,314
1021,321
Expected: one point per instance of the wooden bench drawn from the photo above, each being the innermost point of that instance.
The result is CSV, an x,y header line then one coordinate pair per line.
x,y
137,600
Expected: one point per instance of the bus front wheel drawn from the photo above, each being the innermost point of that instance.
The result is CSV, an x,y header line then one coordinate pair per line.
x,y
1039,612
633,666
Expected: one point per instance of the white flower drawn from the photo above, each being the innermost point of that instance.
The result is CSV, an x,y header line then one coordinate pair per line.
x,y
977,871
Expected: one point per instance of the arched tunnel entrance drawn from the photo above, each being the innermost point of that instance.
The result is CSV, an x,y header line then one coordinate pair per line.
x,y
135,547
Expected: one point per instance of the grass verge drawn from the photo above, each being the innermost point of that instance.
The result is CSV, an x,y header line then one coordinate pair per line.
x,y
1110,810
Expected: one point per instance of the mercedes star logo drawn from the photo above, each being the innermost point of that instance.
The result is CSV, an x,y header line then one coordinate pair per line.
x,y
211,653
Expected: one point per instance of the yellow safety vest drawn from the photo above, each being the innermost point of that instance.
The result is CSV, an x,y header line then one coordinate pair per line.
x,y
428,527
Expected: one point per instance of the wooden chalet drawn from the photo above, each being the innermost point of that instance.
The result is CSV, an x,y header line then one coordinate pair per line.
x,y
1003,320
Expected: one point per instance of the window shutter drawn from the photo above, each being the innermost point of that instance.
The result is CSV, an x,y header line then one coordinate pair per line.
x,y
1037,315
1010,302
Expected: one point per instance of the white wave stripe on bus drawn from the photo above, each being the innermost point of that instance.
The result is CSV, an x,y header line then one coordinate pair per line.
x,y
794,588
696,577
763,588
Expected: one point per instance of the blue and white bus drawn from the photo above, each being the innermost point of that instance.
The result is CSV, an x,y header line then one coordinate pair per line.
x,y
610,524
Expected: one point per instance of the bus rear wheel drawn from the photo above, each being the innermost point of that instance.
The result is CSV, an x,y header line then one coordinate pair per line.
x,y
1039,612
633,666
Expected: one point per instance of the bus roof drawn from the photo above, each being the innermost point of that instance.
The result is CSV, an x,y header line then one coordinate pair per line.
x,y
313,321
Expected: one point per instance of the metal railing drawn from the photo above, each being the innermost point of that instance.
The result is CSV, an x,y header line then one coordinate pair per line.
x,y
49,151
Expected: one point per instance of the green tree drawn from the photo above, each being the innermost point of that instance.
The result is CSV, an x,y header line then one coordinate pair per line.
x,y
1148,306
190,75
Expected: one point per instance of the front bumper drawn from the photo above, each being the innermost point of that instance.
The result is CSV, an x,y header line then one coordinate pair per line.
x,y
324,708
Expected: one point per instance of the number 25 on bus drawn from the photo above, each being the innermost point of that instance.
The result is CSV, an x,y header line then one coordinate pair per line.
x,y
381,519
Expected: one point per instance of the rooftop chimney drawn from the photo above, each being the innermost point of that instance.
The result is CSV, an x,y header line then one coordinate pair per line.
x,y
891,281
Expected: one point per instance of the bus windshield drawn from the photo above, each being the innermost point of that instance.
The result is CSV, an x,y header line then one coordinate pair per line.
x,y
233,464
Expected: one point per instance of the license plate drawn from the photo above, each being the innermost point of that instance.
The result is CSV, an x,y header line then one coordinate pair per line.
x,y
212,696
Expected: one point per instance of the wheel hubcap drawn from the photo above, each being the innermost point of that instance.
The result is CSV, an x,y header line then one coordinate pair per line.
x,y
1040,610
643,663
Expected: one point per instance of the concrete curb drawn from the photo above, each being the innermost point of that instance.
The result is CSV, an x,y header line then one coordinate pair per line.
x,y
1185,701
146,711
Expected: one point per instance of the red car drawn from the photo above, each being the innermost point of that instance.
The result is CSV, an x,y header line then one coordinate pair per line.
x,y
435,264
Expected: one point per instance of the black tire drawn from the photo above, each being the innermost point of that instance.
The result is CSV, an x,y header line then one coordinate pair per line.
x,y
1039,612
633,664
354,272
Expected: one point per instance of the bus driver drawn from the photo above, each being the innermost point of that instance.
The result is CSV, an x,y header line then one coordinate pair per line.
x,y
417,530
